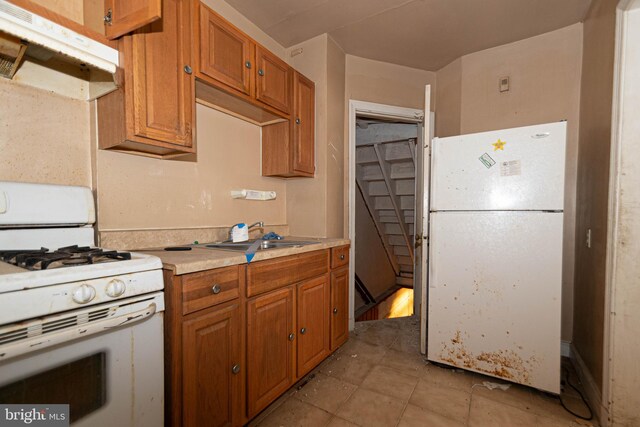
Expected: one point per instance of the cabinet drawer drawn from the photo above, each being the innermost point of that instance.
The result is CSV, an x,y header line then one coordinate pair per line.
x,y
267,275
339,256
202,290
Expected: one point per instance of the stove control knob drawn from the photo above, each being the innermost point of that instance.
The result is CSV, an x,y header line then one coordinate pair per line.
x,y
115,288
83,294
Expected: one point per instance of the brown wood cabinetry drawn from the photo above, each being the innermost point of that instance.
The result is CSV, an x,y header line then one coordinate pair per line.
x,y
125,16
230,60
313,323
339,307
229,356
271,338
205,356
211,367
152,113
288,149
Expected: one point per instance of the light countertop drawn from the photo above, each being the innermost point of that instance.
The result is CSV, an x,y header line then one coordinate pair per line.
x,y
201,259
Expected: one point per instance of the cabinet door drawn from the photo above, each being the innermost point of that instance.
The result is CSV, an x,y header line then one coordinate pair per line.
x,y
273,81
339,307
162,96
226,53
125,16
303,125
211,368
313,323
270,347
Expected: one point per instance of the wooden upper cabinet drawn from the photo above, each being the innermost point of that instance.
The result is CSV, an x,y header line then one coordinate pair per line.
x,y
153,112
288,149
126,16
226,53
313,323
303,125
273,80
271,338
212,369
339,307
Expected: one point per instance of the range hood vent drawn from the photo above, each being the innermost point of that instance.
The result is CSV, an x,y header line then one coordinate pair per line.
x,y
37,30
12,50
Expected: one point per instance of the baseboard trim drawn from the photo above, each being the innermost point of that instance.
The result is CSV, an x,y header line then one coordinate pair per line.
x,y
565,348
594,396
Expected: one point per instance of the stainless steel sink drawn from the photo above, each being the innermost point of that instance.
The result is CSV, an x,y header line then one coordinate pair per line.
x,y
264,245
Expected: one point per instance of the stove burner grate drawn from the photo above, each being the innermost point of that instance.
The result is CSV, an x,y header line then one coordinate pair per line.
x,y
70,256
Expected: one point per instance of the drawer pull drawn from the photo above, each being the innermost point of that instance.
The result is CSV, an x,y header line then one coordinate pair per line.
x,y
216,289
303,331
342,257
335,310
291,337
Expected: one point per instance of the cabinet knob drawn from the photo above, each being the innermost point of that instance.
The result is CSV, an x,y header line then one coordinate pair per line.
x,y
216,289
235,369
291,337
335,310
342,257
247,64
298,121
261,72
187,69
303,331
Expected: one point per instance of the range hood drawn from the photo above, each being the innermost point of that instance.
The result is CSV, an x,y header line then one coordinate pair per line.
x,y
37,30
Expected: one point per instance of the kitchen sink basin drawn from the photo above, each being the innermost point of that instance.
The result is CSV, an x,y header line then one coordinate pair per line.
x,y
264,245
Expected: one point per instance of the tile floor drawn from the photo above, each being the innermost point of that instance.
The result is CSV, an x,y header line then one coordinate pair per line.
x,y
379,378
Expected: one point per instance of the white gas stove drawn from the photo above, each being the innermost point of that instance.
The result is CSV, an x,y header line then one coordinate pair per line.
x,y
65,302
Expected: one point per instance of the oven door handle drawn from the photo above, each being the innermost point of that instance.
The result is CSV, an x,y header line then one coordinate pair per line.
x,y
47,340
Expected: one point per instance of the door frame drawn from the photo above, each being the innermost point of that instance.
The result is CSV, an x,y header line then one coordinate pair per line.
x,y
374,110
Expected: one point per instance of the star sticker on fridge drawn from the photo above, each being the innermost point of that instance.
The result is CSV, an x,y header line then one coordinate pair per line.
x,y
499,145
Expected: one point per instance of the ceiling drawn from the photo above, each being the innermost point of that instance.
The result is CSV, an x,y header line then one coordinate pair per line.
x,y
424,34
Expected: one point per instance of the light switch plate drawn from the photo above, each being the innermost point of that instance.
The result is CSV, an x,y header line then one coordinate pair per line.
x,y
504,84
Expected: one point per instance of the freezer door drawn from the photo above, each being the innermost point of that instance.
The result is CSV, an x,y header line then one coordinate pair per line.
x,y
512,169
495,282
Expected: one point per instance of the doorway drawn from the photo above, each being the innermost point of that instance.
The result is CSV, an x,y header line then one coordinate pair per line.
x,y
385,179
399,115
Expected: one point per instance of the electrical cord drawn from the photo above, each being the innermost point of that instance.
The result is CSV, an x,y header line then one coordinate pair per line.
x,y
566,380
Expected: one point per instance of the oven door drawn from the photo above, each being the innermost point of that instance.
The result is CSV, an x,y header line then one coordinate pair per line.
x,y
108,368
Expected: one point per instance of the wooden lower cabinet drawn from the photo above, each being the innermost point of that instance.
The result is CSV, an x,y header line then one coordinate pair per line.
x,y
313,323
228,356
270,347
212,367
339,307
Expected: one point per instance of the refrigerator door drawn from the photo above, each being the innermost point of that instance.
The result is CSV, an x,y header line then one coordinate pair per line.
x,y
494,294
512,169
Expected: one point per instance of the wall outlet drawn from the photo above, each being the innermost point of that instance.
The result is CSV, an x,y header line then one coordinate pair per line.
x,y
504,84
589,238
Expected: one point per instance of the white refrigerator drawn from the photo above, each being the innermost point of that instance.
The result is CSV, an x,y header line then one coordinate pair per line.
x,y
495,253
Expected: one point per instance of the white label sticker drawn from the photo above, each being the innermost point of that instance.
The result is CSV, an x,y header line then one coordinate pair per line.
x,y
510,168
487,161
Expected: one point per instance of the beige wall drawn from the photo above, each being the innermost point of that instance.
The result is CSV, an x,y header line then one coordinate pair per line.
x,y
624,374
449,99
136,192
44,137
372,264
593,178
544,73
384,83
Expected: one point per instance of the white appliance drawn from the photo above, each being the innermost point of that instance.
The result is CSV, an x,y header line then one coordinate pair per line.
x,y
79,325
41,31
495,254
